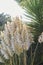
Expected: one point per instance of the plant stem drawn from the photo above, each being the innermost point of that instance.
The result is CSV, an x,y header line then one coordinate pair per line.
x,y
11,61
19,60
16,59
34,54
24,58
31,53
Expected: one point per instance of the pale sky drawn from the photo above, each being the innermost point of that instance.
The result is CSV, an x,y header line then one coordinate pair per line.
x,y
12,8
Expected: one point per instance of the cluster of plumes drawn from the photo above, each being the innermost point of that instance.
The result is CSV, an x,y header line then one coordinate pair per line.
x,y
40,39
15,38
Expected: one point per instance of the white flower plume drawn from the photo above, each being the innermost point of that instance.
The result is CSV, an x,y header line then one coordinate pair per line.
x,y
40,39
15,38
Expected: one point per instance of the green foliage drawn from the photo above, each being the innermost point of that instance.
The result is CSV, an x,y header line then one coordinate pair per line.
x,y
3,19
34,11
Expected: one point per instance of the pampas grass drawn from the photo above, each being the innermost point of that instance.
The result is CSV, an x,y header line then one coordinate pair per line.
x,y
15,40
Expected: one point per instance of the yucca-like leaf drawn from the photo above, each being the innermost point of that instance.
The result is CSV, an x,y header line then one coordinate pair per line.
x,y
34,11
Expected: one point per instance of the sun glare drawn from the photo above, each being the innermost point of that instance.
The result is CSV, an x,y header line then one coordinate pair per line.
x,y
12,8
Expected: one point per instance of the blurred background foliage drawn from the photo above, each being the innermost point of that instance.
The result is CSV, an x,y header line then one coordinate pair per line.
x,y
3,19
34,11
